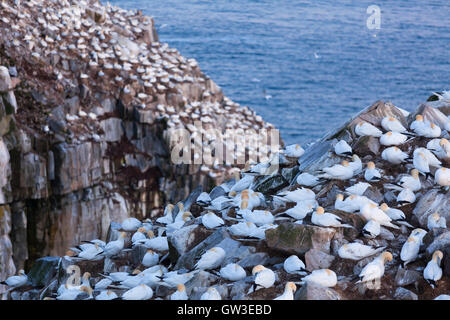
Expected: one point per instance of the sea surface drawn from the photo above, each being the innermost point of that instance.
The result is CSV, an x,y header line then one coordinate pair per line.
x,y
307,66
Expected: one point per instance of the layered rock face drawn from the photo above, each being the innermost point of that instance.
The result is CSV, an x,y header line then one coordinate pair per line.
x,y
88,98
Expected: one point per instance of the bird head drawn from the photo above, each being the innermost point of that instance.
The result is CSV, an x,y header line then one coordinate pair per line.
x,y
419,117
345,163
432,125
387,256
443,142
150,251
329,272
123,235
244,204
418,231
435,216
257,269
371,165
86,289
170,207
180,206
437,256
86,275
389,133
181,287
141,230
291,286
21,272
186,216
415,173
136,271
384,207
232,194
392,119
340,196
320,210
150,234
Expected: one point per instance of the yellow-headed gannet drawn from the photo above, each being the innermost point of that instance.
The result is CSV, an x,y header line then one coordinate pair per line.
x,y
211,259
392,124
211,294
411,247
366,129
357,251
264,277
246,229
297,195
356,164
375,269
258,217
395,214
288,293
440,147
436,221
150,258
294,265
114,247
342,148
406,196
433,271
326,219
167,218
431,158
442,177
158,243
394,155
233,272
180,293
294,150
138,235
372,174
173,278
342,171
301,209
372,212
428,130
211,221
322,277
74,293
106,295
392,139
140,292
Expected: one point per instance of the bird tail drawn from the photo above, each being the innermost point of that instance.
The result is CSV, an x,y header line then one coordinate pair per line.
x,y
347,226
4,283
391,186
391,225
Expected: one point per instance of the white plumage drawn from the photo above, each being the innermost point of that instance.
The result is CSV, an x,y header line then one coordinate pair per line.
x,y
392,124
436,221
366,129
140,292
264,277
358,188
308,180
372,173
211,221
371,229
357,251
375,269
342,148
294,265
394,155
442,177
326,219
392,139
433,271
322,277
233,272
211,294
211,259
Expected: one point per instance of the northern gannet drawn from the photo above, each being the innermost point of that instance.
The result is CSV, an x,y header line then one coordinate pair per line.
x,y
180,293
288,293
294,150
158,243
326,219
428,130
406,196
411,247
243,183
130,224
372,212
138,235
264,277
392,124
301,209
308,180
375,269
233,272
211,221
342,148
17,281
211,259
366,129
421,163
211,294
371,229
173,278
433,271
178,224
90,253
412,181
74,293
436,221
322,277
258,217
203,199
341,171
106,295
372,174
357,251
392,139
150,258
140,292
167,218
395,214
246,229
358,188
297,195
440,147
442,177
431,158
394,155
103,284
418,123
294,265
356,164
114,247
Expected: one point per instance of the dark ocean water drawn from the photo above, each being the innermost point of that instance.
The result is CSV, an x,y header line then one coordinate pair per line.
x,y
316,59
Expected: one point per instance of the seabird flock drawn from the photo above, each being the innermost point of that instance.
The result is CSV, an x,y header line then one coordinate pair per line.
x,y
247,215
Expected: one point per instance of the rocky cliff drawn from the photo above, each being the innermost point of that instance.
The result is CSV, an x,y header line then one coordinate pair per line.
x,y
88,96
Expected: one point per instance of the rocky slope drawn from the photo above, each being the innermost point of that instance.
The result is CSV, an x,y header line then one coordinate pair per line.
x,y
317,246
88,98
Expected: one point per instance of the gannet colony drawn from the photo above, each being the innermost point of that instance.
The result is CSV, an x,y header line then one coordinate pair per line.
x,y
360,214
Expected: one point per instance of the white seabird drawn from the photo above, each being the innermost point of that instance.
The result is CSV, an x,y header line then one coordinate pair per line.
x,y
372,174
436,221
341,171
394,155
211,221
233,272
358,188
367,129
392,139
211,294
288,293
294,150
392,124
372,212
433,271
371,229
308,180
294,265
442,177
17,281
264,277
180,293
211,259
357,251
322,277
375,269
326,219
140,292
342,148
130,224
